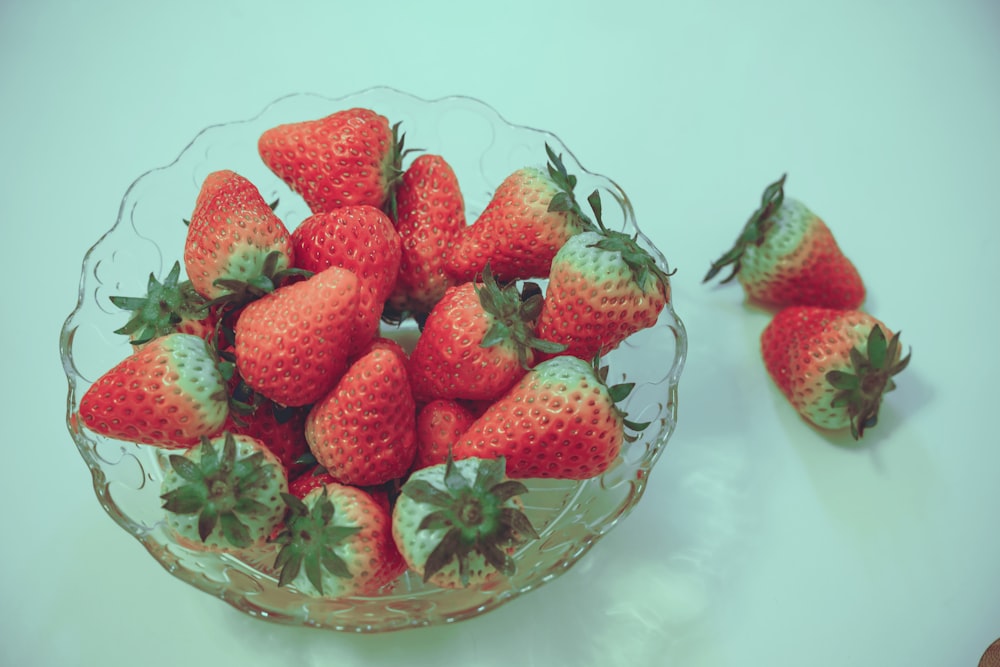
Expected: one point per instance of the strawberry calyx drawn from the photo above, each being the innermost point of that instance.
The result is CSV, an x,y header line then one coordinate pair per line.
x,y
513,316
860,390
392,171
241,292
753,233
475,516
220,489
165,306
638,260
618,393
309,539
564,200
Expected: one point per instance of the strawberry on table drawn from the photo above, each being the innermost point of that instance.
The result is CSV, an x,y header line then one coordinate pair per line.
x,y
476,342
430,211
235,245
457,523
787,256
348,158
291,345
337,542
224,493
603,287
361,239
169,393
170,306
530,216
834,366
561,420
363,431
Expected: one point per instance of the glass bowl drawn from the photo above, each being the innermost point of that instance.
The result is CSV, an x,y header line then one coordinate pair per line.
x,y
148,237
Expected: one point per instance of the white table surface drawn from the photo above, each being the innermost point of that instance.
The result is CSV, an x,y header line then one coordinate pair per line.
x,y
760,541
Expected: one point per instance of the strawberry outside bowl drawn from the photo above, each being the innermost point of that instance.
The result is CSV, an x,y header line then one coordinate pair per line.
x,y
148,237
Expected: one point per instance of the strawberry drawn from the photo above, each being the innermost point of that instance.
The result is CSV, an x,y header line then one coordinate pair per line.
x,y
291,345
280,428
603,287
787,256
833,365
440,424
456,523
531,214
168,307
363,431
224,493
348,158
361,239
168,393
235,244
337,542
560,420
430,211
477,341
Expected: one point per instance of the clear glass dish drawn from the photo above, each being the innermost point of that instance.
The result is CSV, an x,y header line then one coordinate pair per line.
x,y
148,236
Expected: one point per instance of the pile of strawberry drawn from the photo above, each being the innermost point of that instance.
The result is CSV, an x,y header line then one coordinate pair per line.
x,y
832,361
297,420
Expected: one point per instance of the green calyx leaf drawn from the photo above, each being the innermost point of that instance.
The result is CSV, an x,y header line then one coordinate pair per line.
x,y
754,232
512,317
241,292
618,393
477,516
220,488
310,540
165,306
564,201
860,389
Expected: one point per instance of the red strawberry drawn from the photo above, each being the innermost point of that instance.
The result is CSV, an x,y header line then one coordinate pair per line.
x,y
430,211
457,523
603,287
477,341
348,158
291,345
440,424
224,493
787,256
561,420
235,243
361,239
281,429
168,307
363,430
833,365
168,393
337,542
530,216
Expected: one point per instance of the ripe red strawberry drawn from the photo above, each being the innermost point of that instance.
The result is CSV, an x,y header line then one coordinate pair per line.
x,y
361,239
235,243
170,306
477,341
430,211
530,216
603,287
787,256
281,429
292,345
363,430
348,158
834,366
560,420
456,523
440,424
337,542
224,493
168,393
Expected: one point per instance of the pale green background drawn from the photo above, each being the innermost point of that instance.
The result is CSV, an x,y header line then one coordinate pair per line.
x,y
759,542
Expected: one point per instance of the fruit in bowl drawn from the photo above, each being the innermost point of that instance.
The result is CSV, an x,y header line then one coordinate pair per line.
x,y
451,367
